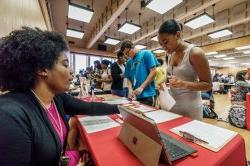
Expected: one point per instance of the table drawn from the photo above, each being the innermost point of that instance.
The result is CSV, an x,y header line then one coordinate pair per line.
x,y
107,149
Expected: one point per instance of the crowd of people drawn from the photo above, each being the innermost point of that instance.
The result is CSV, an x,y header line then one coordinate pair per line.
x,y
35,106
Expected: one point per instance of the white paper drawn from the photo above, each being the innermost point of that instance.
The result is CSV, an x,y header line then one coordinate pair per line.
x,y
143,108
117,101
160,116
166,100
97,123
216,137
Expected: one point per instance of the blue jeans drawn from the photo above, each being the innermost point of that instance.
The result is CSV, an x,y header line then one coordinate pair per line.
x,y
205,96
121,93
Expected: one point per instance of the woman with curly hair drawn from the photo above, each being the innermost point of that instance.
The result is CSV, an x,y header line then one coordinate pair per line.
x,y
35,69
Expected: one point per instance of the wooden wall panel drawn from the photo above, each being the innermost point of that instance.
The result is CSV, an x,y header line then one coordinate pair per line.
x,y
232,70
17,13
229,44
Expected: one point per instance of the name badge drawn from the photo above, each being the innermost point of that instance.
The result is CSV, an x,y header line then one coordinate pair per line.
x,y
64,161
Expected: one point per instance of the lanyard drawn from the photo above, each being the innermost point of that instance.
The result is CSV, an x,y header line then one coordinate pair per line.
x,y
63,160
58,124
60,132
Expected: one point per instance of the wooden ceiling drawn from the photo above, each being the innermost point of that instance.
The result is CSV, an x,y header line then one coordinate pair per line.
x,y
232,14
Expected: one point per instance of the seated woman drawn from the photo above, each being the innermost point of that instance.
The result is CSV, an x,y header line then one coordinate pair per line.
x,y
238,100
35,69
242,87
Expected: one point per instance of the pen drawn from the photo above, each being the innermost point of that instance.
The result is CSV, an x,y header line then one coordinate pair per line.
x,y
190,137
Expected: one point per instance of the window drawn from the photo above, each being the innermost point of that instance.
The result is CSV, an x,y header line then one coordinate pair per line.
x,y
70,58
80,62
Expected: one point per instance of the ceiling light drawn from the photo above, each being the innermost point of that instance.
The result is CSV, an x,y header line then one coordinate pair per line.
x,y
155,38
129,27
159,51
221,33
211,53
229,58
74,33
246,52
139,46
220,56
111,41
243,47
80,13
162,6
199,21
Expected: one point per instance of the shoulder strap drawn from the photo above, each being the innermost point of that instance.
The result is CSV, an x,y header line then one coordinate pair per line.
x,y
187,53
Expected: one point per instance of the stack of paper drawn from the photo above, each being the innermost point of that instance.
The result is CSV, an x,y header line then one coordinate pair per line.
x,y
97,123
108,96
143,108
216,137
160,116
117,101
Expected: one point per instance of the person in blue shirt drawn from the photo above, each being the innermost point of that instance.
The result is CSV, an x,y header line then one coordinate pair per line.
x,y
140,71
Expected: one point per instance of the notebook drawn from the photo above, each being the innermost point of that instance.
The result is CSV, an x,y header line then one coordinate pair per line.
x,y
97,123
216,137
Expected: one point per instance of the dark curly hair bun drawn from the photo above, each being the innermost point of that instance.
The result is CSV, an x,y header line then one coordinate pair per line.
x,y
26,51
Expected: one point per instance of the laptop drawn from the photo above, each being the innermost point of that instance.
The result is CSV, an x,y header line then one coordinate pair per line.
x,y
142,137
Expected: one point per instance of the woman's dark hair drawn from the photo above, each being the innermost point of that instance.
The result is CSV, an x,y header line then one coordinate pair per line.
x,y
170,27
160,61
126,44
26,51
240,76
106,62
97,64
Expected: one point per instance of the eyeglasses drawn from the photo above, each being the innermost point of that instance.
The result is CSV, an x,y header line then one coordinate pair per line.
x,y
127,51
191,138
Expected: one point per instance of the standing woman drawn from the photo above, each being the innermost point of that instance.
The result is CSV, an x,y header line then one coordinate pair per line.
x,y
35,69
188,69
106,78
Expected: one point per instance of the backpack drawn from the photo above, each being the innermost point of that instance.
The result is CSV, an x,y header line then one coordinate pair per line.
x,y
208,112
237,116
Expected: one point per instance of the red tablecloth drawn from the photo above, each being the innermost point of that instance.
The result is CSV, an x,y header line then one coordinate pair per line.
x,y
248,111
92,99
107,149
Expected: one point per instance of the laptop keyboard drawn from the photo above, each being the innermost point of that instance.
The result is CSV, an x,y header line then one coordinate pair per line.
x,y
173,150
176,149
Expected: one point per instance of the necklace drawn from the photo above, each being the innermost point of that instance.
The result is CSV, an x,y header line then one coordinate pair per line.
x,y
174,51
57,124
